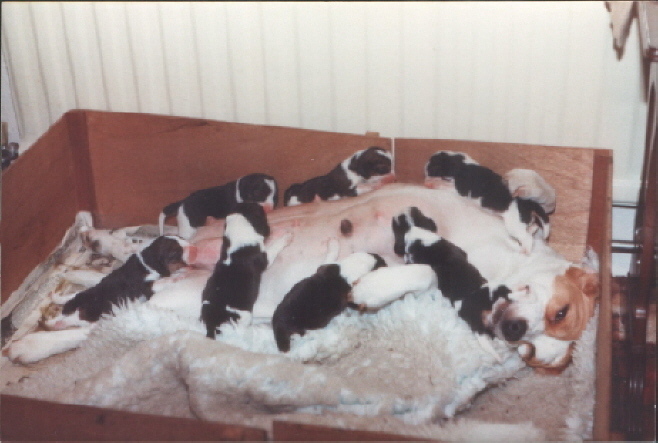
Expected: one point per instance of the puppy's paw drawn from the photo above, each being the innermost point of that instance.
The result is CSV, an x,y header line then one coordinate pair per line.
x,y
439,183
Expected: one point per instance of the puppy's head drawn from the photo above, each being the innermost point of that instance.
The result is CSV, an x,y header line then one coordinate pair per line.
x,y
258,188
443,166
534,216
358,264
254,215
547,316
404,221
372,164
167,254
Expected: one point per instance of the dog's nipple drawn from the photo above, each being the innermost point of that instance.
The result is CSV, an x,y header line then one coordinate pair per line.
x,y
346,227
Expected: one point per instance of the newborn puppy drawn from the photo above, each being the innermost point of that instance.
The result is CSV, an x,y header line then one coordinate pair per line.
x,y
133,280
315,300
232,289
523,218
458,280
364,171
219,201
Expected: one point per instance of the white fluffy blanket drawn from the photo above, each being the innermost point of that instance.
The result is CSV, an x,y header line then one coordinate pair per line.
x,y
415,360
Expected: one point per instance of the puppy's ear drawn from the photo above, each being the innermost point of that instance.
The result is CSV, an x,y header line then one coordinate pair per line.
x,y
379,262
400,227
329,270
421,220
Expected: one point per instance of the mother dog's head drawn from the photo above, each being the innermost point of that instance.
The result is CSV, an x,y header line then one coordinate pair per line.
x,y
548,315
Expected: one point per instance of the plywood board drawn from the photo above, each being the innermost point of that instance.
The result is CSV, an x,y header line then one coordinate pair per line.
x,y
141,162
39,203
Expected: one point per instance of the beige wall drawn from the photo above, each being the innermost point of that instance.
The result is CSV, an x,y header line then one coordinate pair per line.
x,y
523,72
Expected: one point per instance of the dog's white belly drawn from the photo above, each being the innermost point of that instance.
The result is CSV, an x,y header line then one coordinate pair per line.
x,y
481,234
183,295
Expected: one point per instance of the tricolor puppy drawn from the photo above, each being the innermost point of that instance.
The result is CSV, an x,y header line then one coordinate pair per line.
x,y
315,300
458,280
132,281
364,171
232,289
523,217
219,201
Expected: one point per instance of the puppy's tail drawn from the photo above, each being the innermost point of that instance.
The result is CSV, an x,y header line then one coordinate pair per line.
x,y
168,211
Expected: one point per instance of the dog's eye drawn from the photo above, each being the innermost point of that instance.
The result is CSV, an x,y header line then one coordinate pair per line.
x,y
562,313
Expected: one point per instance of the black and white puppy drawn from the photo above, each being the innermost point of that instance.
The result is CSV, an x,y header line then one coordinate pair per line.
x,y
219,201
362,172
232,289
458,280
132,281
315,300
523,217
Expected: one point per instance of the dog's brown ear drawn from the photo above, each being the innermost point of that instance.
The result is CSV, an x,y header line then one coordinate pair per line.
x,y
588,282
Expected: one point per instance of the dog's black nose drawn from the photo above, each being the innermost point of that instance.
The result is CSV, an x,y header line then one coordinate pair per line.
x,y
514,329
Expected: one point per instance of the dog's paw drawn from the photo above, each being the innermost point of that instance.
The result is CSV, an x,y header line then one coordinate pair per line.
x,y
40,345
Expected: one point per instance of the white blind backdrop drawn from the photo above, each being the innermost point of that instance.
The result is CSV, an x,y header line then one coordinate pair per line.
x,y
521,72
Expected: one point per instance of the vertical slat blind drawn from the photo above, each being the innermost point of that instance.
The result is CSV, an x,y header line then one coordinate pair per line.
x,y
521,72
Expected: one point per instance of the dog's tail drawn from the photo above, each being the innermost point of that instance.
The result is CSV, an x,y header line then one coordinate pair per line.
x,y
168,211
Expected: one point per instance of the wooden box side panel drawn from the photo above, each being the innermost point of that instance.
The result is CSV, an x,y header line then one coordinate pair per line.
x,y
67,422
39,203
600,238
568,170
141,162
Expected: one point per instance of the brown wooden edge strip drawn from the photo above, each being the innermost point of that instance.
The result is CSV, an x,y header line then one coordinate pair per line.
x,y
290,431
599,237
28,419
79,144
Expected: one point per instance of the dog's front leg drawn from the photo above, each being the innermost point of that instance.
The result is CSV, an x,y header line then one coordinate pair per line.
x,y
39,345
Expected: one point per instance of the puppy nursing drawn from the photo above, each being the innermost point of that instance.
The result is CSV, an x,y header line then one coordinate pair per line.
x,y
132,281
232,289
458,280
362,172
315,300
523,217
219,201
